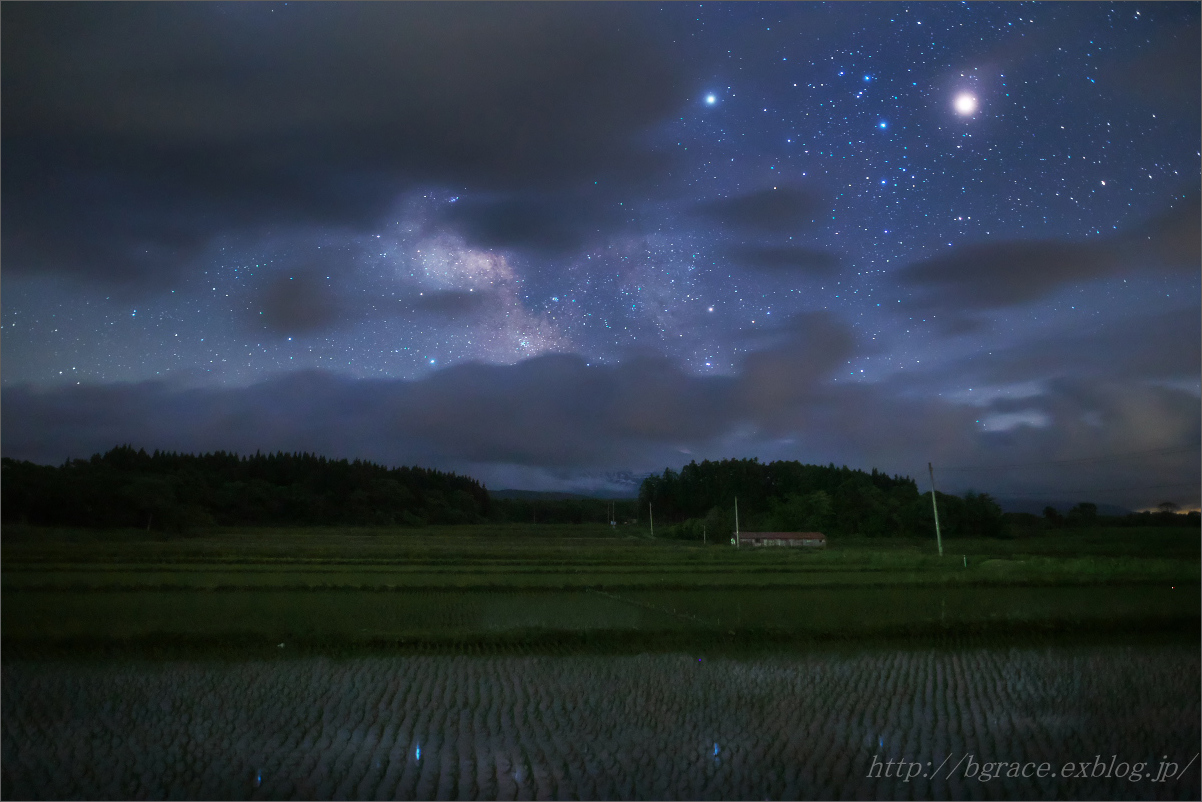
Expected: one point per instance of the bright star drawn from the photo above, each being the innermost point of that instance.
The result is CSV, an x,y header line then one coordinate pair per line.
x,y
882,124
711,99
965,104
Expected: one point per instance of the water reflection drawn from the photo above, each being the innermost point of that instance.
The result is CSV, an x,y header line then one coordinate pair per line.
x,y
615,724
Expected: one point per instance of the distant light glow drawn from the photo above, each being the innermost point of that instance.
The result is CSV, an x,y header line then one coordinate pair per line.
x,y
965,104
882,124
711,99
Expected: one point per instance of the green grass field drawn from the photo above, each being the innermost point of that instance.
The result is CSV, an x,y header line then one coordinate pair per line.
x,y
547,582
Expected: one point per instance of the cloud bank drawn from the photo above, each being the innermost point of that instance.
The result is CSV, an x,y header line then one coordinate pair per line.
x,y
556,413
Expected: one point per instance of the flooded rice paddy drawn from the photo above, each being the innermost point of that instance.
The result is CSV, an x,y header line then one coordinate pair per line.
x,y
800,724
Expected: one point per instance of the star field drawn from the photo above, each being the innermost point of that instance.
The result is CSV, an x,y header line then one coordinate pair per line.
x,y
943,202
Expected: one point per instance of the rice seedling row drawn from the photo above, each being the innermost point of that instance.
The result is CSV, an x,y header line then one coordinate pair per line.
x,y
668,726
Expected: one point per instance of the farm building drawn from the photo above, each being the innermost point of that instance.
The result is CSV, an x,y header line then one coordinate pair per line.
x,y
801,539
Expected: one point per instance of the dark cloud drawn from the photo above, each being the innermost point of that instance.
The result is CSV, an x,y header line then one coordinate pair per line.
x,y
1098,418
1165,75
772,211
557,413
552,410
990,275
58,221
777,380
1160,346
301,303
1170,239
1066,420
790,259
304,303
1000,274
451,303
132,133
547,223
560,412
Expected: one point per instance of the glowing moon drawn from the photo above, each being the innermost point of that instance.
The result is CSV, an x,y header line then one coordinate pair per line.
x,y
965,104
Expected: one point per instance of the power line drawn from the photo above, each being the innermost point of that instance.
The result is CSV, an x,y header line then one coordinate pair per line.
x,y
1158,451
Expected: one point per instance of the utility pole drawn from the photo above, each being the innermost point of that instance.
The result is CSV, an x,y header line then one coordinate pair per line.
x,y
652,518
737,522
935,507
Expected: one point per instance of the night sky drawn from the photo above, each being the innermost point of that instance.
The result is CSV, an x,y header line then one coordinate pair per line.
x,y
557,246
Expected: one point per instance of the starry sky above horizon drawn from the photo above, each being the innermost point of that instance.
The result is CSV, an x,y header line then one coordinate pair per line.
x,y
556,246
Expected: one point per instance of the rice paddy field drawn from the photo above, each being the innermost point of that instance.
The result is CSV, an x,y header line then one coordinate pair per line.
x,y
576,662
806,724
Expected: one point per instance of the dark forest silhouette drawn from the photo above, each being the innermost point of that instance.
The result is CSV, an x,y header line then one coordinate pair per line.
x,y
128,488
791,496
165,490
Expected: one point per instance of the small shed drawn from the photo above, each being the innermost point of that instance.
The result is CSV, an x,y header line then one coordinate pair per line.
x,y
791,539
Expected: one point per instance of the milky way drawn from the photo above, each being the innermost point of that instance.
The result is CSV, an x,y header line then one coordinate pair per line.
x,y
874,234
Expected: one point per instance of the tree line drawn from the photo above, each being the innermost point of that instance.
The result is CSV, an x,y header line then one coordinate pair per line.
x,y
166,490
788,496
1086,514
169,491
